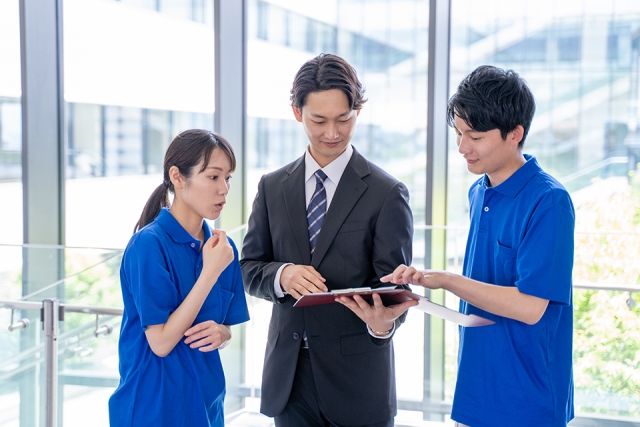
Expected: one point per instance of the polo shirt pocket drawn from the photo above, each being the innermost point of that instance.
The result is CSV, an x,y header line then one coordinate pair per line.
x,y
505,265
216,305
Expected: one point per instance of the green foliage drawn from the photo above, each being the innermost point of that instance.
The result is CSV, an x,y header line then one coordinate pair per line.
x,y
606,330
607,352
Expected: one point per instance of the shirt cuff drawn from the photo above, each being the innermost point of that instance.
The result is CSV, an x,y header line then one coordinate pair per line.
x,y
382,337
276,283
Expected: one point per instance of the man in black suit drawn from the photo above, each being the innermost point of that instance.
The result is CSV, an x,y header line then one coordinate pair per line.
x,y
329,220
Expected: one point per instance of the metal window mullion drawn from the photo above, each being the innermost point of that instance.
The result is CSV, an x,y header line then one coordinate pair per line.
x,y
43,148
230,93
230,32
436,189
43,172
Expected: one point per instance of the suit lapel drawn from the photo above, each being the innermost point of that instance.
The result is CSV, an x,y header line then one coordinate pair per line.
x,y
293,191
350,188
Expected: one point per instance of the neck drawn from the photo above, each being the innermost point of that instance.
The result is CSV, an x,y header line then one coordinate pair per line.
x,y
498,177
190,221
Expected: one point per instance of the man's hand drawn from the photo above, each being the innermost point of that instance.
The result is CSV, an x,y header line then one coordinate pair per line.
x,y
298,280
377,316
207,336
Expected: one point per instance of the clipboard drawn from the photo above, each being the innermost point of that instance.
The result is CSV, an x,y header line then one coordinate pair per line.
x,y
395,295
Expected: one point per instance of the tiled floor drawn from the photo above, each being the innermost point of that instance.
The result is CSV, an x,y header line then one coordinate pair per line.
x,y
251,417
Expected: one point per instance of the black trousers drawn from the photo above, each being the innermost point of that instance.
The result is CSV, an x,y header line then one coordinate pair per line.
x,y
303,409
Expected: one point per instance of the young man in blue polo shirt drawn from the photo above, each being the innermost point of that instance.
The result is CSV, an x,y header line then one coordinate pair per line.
x,y
517,267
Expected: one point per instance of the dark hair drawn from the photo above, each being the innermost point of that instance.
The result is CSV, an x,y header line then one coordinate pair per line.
x,y
326,72
492,98
185,152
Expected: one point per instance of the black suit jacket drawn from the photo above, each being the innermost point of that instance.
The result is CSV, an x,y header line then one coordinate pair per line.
x,y
366,234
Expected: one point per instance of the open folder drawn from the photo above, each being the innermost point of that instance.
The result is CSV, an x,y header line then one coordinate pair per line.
x,y
393,295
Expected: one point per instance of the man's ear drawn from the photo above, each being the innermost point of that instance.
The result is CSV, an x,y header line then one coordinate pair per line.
x,y
297,112
516,135
176,177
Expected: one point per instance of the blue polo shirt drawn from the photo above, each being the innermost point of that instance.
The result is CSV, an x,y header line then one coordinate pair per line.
x,y
187,387
511,373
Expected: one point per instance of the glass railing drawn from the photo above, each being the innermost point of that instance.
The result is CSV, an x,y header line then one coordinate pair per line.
x,y
86,282
83,363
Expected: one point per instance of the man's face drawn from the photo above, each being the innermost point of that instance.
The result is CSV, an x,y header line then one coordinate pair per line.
x,y
329,123
487,152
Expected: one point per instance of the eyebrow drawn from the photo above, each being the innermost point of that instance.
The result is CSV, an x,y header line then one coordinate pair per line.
x,y
214,167
467,131
346,113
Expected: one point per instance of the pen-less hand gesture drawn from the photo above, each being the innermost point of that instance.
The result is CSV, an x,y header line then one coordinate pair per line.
x,y
376,316
403,275
207,336
217,253
298,280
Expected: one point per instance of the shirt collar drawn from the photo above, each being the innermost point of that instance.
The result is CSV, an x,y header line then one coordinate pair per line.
x,y
516,182
172,227
333,170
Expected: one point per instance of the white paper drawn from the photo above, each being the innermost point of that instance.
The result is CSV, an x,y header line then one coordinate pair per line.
x,y
469,320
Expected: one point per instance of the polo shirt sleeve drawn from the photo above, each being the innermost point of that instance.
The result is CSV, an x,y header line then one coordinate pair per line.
x,y
238,311
154,294
545,258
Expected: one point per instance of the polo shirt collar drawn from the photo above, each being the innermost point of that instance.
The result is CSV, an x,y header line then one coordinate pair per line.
x,y
516,182
173,228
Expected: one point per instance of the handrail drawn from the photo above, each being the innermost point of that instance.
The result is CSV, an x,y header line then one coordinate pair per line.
x,y
52,246
37,349
466,227
626,287
72,308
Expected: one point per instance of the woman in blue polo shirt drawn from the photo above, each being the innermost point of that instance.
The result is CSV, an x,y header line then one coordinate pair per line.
x,y
182,288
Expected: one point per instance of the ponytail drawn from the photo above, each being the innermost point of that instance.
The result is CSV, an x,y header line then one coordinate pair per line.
x,y
158,200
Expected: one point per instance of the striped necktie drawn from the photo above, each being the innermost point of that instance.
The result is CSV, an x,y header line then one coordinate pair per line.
x,y
317,209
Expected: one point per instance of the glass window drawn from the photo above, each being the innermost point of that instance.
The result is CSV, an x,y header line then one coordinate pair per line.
x,y
127,96
10,124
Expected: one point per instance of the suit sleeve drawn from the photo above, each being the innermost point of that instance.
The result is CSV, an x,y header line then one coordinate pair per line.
x,y
258,268
393,241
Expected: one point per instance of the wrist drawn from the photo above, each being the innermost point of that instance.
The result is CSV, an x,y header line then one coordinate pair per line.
x,y
381,332
210,275
226,337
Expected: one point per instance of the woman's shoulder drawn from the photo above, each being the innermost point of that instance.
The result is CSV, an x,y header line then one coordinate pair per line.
x,y
146,238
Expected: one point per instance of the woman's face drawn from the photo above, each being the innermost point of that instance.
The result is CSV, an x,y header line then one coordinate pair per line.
x,y
205,193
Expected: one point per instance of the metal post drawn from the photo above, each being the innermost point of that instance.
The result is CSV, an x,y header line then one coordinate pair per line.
x,y
230,17
51,309
436,209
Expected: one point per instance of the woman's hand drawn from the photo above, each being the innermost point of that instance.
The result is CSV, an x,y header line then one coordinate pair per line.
x,y
207,336
217,254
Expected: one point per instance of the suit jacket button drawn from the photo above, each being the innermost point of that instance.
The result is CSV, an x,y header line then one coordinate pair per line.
x,y
296,335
